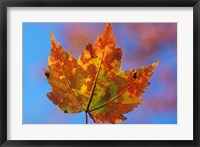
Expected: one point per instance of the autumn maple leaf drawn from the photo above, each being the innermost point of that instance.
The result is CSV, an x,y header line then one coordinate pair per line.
x,y
95,82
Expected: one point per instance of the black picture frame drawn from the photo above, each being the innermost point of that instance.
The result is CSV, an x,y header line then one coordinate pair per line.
x,y
98,3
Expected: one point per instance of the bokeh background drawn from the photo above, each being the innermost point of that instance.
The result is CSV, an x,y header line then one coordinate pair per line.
x,y
142,43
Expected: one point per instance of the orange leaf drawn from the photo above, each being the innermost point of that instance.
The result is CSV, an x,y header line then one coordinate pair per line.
x,y
95,82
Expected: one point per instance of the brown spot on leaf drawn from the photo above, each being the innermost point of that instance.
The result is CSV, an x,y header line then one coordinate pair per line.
x,y
135,75
100,39
47,75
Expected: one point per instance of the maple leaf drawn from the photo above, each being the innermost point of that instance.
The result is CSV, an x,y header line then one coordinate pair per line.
x,y
95,83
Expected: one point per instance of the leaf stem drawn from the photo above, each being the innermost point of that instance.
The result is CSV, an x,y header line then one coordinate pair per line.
x,y
86,118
